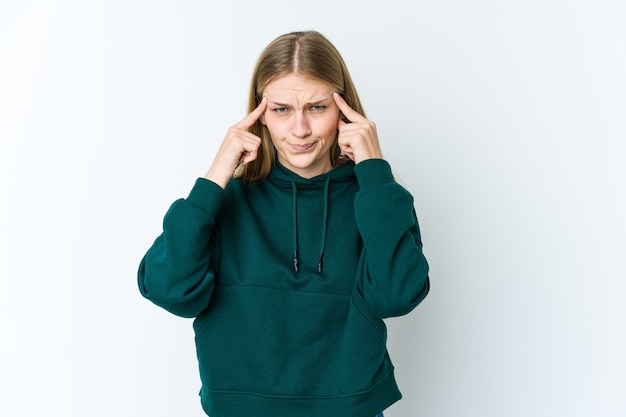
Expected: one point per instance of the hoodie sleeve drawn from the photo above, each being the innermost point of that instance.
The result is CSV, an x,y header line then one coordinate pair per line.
x,y
392,276
177,273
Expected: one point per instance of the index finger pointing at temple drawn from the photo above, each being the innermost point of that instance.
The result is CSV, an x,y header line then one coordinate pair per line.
x,y
347,111
251,118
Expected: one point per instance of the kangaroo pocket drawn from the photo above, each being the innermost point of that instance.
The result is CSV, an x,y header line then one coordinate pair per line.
x,y
269,341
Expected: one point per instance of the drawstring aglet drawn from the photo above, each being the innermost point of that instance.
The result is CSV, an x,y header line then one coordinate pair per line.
x,y
295,261
319,263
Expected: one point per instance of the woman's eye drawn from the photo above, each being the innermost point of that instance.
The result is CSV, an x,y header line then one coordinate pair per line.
x,y
317,108
280,110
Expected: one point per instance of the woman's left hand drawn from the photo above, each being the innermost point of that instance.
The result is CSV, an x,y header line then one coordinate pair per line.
x,y
358,138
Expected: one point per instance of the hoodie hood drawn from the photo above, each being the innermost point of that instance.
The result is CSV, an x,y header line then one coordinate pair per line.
x,y
283,177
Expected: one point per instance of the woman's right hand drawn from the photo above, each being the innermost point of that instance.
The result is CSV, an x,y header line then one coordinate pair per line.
x,y
238,147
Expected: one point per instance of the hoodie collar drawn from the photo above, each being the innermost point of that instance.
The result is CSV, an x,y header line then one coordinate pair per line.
x,y
282,176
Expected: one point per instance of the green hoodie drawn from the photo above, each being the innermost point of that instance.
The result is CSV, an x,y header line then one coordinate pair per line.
x,y
289,281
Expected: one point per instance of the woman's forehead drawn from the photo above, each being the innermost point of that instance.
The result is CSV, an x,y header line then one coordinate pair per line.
x,y
298,87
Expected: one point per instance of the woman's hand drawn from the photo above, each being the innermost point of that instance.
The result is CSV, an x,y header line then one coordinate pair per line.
x,y
238,147
358,138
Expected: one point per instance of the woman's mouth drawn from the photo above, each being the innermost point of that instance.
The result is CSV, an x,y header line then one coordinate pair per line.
x,y
305,147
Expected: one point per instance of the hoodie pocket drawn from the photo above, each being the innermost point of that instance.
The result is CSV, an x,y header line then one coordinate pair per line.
x,y
376,325
219,296
287,343
363,349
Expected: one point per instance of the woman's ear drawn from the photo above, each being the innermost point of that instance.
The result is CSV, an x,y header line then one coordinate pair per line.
x,y
262,119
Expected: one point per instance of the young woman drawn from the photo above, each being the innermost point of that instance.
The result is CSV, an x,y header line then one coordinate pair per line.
x,y
293,248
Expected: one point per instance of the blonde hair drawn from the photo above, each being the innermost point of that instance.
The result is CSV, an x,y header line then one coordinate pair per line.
x,y
307,53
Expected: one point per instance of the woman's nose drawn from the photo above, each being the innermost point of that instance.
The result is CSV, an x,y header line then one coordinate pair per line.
x,y
301,126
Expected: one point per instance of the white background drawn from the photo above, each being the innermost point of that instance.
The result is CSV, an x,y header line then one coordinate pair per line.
x,y
506,120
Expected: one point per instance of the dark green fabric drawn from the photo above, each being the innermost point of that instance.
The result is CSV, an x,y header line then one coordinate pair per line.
x,y
276,340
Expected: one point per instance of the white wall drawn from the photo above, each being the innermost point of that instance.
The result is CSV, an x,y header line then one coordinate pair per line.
x,y
505,119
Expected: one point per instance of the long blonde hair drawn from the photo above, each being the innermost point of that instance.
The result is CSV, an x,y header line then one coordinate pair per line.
x,y
307,53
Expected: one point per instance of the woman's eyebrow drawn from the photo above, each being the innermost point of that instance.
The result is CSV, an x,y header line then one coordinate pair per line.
x,y
310,103
322,100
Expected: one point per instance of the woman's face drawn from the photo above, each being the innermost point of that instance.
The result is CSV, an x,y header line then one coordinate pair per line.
x,y
302,119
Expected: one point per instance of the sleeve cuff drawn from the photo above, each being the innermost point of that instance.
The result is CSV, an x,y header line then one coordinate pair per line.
x,y
373,172
206,194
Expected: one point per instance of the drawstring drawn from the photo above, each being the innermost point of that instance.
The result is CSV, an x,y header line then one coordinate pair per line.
x,y
296,260
324,226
